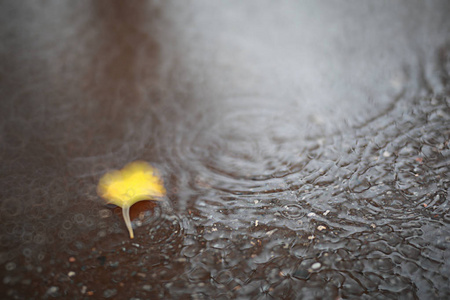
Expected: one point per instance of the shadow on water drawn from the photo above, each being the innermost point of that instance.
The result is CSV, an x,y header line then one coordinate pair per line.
x,y
304,148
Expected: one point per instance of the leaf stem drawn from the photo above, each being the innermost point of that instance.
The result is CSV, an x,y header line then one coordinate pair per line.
x,y
126,217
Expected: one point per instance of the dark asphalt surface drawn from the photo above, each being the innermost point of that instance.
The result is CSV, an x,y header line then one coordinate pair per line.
x,y
304,147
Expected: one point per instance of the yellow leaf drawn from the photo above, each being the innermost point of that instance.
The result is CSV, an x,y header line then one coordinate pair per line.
x,y
137,181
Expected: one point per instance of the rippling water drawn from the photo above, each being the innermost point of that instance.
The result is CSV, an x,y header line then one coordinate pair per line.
x,y
304,147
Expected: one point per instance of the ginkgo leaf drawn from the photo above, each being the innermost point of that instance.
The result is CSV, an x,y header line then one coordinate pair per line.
x,y
137,181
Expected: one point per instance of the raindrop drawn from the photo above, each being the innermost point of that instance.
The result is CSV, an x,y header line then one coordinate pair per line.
x,y
41,256
79,218
10,266
27,252
292,211
39,238
67,225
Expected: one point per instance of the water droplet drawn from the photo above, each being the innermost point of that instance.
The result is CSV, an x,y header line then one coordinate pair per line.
x,y
316,266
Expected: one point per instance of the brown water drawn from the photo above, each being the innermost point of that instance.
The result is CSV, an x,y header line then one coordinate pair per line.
x,y
304,148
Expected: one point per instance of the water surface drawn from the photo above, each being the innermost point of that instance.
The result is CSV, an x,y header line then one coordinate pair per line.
x,y
304,148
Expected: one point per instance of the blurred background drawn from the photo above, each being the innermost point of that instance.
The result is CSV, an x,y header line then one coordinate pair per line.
x,y
304,147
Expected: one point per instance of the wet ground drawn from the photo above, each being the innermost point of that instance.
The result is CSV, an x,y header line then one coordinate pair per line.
x,y
304,148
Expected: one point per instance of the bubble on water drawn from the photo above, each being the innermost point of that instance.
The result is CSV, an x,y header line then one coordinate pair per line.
x,y
10,266
89,222
27,252
316,266
18,230
67,225
41,256
62,234
27,237
293,211
79,218
39,238
223,277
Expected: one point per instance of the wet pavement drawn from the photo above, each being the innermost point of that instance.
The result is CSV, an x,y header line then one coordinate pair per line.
x,y
304,148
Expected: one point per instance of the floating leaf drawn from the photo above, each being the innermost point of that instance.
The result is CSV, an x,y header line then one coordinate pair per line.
x,y
137,181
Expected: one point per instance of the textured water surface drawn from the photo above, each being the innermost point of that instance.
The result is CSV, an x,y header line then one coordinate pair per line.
x,y
304,148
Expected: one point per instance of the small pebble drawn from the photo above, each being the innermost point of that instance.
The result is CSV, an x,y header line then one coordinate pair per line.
x,y
311,214
83,289
72,259
269,233
316,266
109,293
326,212
52,290
386,154
180,260
256,223
321,227
311,237
147,287
71,274
114,264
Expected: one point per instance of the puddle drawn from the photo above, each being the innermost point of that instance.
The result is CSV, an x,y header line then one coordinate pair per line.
x,y
304,150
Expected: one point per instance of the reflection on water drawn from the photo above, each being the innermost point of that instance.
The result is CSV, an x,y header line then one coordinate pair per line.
x,y
304,149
